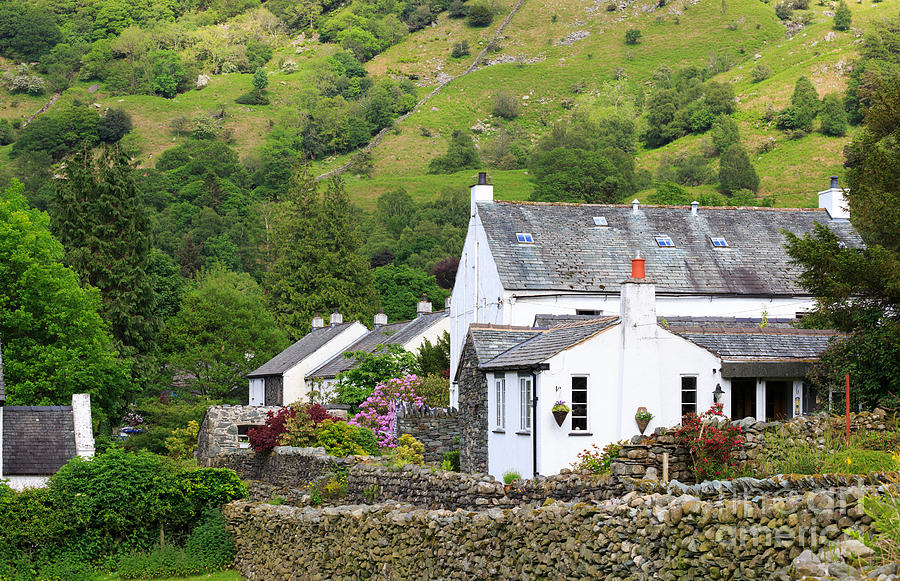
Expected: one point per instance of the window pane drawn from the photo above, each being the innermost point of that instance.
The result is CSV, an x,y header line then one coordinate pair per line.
x,y
579,403
688,395
501,403
525,403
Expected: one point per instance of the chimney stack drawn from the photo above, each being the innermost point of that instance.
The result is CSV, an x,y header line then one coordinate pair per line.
x,y
637,305
694,205
380,318
318,322
635,204
447,303
424,306
481,191
834,202
81,418
336,318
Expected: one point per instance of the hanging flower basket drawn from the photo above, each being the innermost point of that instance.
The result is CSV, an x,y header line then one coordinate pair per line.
x,y
560,411
642,418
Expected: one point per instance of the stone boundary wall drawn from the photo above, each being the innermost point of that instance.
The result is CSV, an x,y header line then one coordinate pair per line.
x,y
644,453
284,467
662,535
436,428
219,429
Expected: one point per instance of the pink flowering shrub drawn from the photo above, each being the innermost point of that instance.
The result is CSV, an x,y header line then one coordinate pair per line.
x,y
379,411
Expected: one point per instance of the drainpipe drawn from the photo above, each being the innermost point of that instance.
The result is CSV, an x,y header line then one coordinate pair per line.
x,y
534,424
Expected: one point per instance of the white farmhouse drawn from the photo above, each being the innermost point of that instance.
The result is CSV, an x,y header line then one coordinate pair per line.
x,y
522,260
606,368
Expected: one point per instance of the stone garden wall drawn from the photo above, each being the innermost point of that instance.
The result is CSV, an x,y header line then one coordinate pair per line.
x,y
665,533
436,428
219,428
284,467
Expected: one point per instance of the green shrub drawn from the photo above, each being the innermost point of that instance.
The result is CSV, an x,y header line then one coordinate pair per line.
x,y
114,125
254,97
784,10
452,458
211,545
458,9
260,79
165,561
408,451
460,49
859,461
511,476
833,116
632,36
842,17
461,154
480,15
736,172
506,105
342,439
760,73
596,460
725,133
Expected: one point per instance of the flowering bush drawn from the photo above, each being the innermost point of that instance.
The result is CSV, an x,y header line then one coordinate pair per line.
x,y
294,425
595,460
712,444
560,406
379,411
132,417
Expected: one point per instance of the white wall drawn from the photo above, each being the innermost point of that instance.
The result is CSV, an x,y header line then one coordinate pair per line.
x,y
432,334
295,388
521,308
509,448
20,483
477,293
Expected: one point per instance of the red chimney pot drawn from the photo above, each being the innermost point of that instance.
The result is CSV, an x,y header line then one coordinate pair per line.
x,y
637,268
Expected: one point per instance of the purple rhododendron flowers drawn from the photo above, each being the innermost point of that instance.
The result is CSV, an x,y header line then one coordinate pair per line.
x,y
379,411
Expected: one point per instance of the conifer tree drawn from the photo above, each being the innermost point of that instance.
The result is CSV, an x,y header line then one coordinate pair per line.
x,y
735,170
834,118
842,17
101,220
315,266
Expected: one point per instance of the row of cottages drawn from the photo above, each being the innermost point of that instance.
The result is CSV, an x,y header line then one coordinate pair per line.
x,y
36,441
308,369
549,305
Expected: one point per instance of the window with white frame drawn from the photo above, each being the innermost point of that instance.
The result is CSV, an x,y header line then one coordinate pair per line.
x,y
526,410
500,384
579,403
688,394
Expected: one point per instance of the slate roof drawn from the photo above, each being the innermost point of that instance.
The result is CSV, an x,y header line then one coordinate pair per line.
x,y
492,340
732,342
570,253
547,321
393,334
548,343
306,346
37,440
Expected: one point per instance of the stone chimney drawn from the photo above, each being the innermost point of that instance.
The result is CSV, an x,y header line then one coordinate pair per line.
x,y
694,206
480,192
380,318
424,306
81,418
318,322
834,202
336,318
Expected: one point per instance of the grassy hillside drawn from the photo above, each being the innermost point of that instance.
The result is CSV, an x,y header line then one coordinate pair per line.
x,y
555,57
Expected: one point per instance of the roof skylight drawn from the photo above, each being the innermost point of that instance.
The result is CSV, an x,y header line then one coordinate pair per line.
x,y
524,238
600,221
719,242
664,241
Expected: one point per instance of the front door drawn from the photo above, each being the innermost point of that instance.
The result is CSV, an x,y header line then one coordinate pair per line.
x,y
743,398
778,400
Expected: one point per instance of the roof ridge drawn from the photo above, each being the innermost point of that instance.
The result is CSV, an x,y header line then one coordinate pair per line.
x,y
642,205
584,323
752,331
496,327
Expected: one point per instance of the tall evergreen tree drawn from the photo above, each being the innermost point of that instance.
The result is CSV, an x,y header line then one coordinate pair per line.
x,y
736,172
315,266
100,218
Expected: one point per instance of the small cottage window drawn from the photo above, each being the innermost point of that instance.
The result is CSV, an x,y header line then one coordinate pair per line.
x,y
526,410
501,402
579,403
600,221
664,241
524,238
688,395
243,436
719,242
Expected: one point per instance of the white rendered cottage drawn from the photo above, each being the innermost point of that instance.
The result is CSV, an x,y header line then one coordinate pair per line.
x,y
606,368
522,260
313,362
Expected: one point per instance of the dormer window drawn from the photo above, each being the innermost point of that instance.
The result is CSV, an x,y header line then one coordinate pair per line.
x,y
600,221
524,238
664,241
719,242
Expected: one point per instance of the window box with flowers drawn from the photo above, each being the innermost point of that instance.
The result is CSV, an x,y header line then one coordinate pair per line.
x,y
560,411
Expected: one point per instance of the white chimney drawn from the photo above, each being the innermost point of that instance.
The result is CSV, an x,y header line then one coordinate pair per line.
x,y
635,204
424,306
480,192
318,322
336,318
834,202
81,418
380,318
638,301
694,205
447,303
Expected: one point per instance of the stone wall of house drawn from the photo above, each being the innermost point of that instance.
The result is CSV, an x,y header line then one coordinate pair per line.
x,y
436,428
284,467
646,453
473,412
667,534
219,428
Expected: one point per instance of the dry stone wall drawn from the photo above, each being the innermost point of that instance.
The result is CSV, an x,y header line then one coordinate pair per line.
x,y
284,467
219,429
666,534
436,428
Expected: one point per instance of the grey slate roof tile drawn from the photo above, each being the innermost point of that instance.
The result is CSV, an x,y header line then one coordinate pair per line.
x,y
492,340
548,343
37,440
393,334
306,346
736,340
570,253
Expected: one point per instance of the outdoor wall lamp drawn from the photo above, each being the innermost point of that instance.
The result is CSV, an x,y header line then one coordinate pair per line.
x,y
718,393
